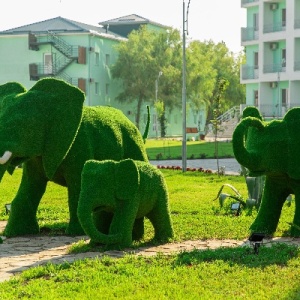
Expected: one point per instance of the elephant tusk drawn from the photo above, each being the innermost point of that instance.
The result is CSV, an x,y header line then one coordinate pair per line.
x,y
5,157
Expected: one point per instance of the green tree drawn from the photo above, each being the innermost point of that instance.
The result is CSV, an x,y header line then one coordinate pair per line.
x,y
141,58
135,65
201,75
226,66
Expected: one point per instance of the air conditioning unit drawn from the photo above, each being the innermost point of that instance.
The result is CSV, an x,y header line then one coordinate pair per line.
x,y
274,6
273,46
273,85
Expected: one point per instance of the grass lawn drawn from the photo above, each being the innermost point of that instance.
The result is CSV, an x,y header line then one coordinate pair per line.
x,y
225,273
172,149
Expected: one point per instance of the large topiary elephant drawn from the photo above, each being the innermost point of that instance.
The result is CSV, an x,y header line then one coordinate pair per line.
x,y
53,135
271,149
116,196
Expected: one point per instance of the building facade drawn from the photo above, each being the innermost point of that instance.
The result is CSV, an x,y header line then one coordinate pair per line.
x,y
82,55
272,47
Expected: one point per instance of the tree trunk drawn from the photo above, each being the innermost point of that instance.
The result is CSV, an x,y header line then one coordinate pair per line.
x,y
162,121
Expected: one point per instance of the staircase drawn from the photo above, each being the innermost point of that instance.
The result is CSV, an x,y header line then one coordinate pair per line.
x,y
227,123
68,54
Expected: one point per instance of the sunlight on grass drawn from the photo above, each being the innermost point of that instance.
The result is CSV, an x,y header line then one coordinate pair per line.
x,y
172,149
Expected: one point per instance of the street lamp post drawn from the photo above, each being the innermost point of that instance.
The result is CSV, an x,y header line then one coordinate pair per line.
x,y
185,31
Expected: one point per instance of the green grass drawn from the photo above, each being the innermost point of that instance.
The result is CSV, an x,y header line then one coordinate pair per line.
x,y
225,273
172,149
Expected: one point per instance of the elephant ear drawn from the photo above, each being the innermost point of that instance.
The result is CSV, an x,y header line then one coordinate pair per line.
x,y
127,179
10,88
252,111
63,104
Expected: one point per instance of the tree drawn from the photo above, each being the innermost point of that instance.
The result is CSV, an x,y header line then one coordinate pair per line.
x,y
226,66
207,64
141,58
201,75
134,67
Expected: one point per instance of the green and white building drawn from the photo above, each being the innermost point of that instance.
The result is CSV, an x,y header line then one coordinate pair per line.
x,y
272,46
82,55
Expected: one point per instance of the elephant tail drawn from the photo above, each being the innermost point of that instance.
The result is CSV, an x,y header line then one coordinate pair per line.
x,y
145,135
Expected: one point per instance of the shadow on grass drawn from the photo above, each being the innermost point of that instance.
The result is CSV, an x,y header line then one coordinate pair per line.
x,y
277,254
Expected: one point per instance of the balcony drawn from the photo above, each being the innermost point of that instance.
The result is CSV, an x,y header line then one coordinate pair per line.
x,y
275,27
297,66
249,34
274,68
249,72
297,23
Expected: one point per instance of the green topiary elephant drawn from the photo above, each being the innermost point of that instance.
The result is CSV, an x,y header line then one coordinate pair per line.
x,y
116,196
53,135
271,149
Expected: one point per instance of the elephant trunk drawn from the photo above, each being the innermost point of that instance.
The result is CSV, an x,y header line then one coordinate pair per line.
x,y
84,213
247,158
5,157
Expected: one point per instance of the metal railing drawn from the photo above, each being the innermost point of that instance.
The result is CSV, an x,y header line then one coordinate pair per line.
x,y
249,34
230,114
60,44
274,68
250,72
275,27
297,23
297,66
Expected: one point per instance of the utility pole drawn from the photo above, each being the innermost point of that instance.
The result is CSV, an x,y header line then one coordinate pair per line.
x,y
185,31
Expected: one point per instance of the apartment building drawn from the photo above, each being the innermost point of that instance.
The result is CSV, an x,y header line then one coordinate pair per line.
x,y
272,47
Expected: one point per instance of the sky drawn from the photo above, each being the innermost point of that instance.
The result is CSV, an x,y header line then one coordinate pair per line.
x,y
216,20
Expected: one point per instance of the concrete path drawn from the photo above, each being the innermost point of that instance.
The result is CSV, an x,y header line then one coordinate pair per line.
x,y
232,167
20,253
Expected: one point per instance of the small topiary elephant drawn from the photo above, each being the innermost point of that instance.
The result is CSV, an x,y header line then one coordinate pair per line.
x,y
271,149
116,196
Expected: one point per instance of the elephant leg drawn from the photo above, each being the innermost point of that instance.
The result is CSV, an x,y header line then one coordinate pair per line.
x,y
160,218
22,219
138,229
74,226
295,231
123,221
274,196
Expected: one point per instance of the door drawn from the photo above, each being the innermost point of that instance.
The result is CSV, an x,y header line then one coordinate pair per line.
x,y
48,63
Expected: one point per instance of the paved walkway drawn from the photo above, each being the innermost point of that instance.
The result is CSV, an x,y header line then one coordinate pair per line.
x,y
20,253
232,167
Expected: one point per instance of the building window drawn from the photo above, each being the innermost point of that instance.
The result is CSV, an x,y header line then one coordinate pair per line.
x,y
256,60
255,21
107,89
256,98
107,59
284,97
97,58
283,17
97,88
283,58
